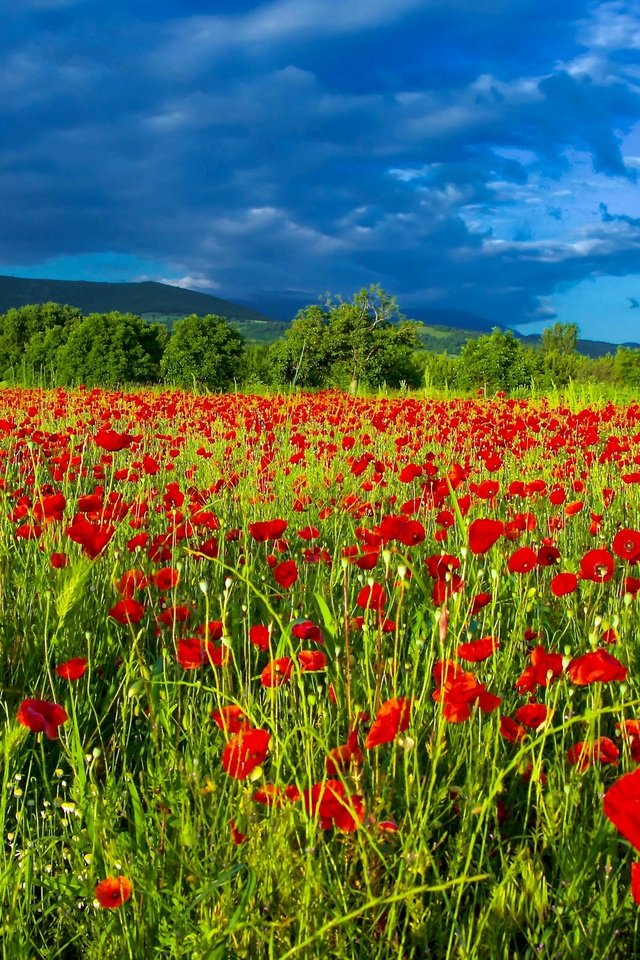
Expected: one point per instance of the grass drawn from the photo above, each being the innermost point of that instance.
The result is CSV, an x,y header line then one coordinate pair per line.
x,y
501,849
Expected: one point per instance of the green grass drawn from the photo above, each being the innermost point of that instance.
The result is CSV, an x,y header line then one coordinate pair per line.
x,y
135,785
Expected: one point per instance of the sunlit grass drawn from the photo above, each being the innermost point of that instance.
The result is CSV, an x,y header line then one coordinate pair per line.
x,y
470,846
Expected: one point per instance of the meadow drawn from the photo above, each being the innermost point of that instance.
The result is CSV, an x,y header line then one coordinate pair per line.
x,y
318,676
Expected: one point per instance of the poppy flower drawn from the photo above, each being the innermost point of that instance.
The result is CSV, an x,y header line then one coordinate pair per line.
x,y
583,754
42,715
483,534
244,752
286,574
307,630
312,660
622,806
479,601
523,560
391,719
112,892
72,669
230,718
330,802
259,636
597,666
112,441
477,650
563,584
533,715
597,565
264,530
58,560
237,837
341,759
458,690
510,730
193,652
544,667
277,672
127,610
626,545
166,578
372,597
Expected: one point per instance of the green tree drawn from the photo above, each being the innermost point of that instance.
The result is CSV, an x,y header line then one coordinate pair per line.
x,y
204,352
344,343
110,349
495,361
626,366
559,338
20,324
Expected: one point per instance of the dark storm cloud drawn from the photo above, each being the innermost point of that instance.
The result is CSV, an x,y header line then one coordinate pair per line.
x,y
317,144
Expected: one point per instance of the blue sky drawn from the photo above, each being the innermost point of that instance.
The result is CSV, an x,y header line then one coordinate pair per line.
x,y
479,155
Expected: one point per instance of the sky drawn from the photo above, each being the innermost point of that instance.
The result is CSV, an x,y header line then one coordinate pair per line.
x,y
475,155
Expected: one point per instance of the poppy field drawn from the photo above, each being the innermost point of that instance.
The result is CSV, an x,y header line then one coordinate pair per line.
x,y
318,676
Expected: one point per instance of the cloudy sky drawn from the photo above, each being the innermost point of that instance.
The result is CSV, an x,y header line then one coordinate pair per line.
x,y
480,155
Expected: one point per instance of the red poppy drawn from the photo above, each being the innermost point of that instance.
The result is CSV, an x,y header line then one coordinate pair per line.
x,y
92,537
244,752
113,892
166,578
72,669
237,837
330,802
523,560
597,666
511,730
477,650
312,660
547,555
307,630
113,441
58,560
533,715
459,690
259,636
264,530
626,545
372,597
597,565
230,718
622,806
193,652
286,574
127,610
391,719
563,583
483,534
342,758
277,672
544,668
479,601
583,754
42,715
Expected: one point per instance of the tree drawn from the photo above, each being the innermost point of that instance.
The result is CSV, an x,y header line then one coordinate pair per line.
x,y
495,361
20,324
560,338
110,349
203,352
343,343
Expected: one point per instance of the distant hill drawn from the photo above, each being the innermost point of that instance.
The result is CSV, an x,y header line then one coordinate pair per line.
x,y
148,296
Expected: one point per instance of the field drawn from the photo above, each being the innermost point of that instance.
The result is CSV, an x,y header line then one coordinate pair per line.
x,y
318,676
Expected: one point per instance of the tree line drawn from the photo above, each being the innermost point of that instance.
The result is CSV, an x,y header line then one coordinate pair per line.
x,y
363,342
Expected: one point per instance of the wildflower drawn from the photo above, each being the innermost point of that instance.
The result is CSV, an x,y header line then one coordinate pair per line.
x,y
42,715
113,892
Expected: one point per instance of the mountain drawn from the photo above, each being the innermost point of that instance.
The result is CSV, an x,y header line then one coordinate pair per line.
x,y
146,297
